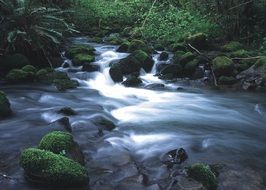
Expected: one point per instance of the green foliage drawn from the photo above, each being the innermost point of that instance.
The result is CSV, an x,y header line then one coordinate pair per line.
x,y
52,168
223,65
26,26
57,142
29,68
203,174
17,76
232,46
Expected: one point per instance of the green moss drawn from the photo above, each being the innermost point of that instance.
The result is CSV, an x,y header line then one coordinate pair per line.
x,y
178,47
187,57
225,80
43,76
64,84
29,68
197,40
124,47
114,39
79,49
51,168
240,53
191,66
140,55
223,65
19,76
232,46
203,174
261,62
138,45
57,142
5,109
80,59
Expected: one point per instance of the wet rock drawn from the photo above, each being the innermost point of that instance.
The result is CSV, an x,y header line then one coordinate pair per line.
x,y
243,179
132,81
67,111
160,67
116,73
164,56
5,106
203,174
175,70
186,58
224,80
159,47
66,65
65,84
155,86
64,122
81,59
176,156
45,167
104,123
89,67
138,45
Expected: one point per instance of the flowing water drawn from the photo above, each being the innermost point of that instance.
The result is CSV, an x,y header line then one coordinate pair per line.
x,y
213,126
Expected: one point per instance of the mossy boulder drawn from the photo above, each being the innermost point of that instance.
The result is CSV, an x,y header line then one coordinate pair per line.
x,y
223,66
203,174
177,56
190,67
187,57
123,48
232,46
114,39
159,47
174,70
65,84
116,73
146,61
57,142
138,45
132,81
67,111
46,167
17,76
29,68
225,80
80,59
44,76
79,49
15,61
5,109
198,40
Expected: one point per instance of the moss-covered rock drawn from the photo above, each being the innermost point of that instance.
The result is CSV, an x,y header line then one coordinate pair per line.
x,y
29,68
191,67
57,142
65,84
198,40
49,168
159,47
79,49
15,61
225,80
44,76
5,109
113,39
17,76
145,61
123,48
232,46
174,70
203,174
80,59
223,66
132,81
138,45
187,57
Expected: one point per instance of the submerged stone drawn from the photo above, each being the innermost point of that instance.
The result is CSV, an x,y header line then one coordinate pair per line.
x,y
5,109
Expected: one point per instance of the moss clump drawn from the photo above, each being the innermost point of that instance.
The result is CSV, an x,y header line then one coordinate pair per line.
x,y
47,167
223,65
43,76
81,58
64,84
191,66
197,40
19,76
203,174
5,109
143,59
138,45
57,142
29,68
79,49
123,48
260,62
224,80
232,46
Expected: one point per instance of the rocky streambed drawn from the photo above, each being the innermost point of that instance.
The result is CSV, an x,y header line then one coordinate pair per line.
x,y
125,133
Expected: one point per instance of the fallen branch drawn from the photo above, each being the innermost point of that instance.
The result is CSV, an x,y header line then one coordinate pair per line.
x,y
246,58
198,52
